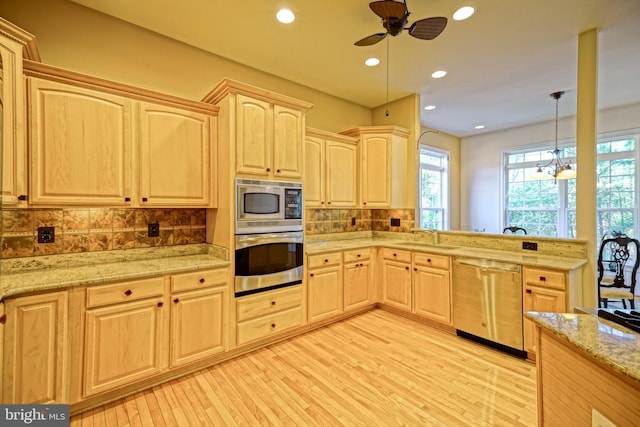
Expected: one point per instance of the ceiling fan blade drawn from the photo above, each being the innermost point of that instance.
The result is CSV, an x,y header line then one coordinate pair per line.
x,y
428,28
388,9
372,39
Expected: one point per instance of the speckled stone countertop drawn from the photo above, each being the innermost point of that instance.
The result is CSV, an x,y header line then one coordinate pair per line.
x,y
538,260
612,345
24,275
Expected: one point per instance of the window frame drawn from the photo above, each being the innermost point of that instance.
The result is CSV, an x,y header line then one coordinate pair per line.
x,y
445,181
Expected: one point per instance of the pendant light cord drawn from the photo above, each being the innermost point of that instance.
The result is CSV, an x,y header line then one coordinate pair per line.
x,y
387,111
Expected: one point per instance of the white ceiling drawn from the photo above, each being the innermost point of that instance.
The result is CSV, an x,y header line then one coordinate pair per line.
x,y
502,63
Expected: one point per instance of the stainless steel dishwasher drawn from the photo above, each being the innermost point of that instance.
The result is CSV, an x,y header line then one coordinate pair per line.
x,y
487,302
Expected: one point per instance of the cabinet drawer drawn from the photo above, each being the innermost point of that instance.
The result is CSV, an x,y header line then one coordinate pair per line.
x,y
199,280
266,303
321,260
357,255
544,278
125,291
262,327
431,260
396,254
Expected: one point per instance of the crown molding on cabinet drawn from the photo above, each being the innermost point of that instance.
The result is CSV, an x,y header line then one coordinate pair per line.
x,y
227,86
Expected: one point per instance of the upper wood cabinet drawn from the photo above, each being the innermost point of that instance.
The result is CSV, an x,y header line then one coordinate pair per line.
x,y
15,44
384,159
36,353
94,142
265,130
330,169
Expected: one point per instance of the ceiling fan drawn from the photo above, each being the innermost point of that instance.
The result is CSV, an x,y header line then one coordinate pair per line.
x,y
395,17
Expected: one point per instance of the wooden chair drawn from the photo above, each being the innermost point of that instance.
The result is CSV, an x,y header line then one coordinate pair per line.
x,y
514,230
616,249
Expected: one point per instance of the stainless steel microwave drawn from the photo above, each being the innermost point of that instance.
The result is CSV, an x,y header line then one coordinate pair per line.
x,y
268,206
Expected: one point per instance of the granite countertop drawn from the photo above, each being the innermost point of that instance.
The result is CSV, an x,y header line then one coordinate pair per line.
x,y
23,275
534,260
612,345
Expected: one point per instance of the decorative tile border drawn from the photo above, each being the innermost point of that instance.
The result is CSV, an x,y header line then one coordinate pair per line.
x,y
97,229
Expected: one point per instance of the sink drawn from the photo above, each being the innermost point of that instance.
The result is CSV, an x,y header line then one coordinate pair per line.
x,y
425,245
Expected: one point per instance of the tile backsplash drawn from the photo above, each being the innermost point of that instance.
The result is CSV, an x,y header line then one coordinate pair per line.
x,y
323,221
97,229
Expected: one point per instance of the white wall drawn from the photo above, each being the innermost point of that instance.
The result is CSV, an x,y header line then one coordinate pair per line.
x,y
481,174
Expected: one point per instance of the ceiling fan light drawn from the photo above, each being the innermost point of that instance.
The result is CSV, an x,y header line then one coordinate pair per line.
x,y
285,16
463,13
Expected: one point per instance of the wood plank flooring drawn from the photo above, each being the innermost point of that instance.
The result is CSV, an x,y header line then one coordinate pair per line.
x,y
376,369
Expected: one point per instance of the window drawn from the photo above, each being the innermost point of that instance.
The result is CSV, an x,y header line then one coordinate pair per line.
x,y
434,189
548,209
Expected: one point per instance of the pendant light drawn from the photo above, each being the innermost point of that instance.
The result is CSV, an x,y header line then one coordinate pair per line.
x,y
555,168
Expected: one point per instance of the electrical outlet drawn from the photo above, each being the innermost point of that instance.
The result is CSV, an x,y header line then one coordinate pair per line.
x,y
153,230
395,222
353,220
530,246
46,234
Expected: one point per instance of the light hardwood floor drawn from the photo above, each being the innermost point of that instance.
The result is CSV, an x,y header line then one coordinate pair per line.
x,y
376,369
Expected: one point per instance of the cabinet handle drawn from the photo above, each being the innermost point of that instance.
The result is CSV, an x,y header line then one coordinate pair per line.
x,y
395,254
415,269
177,300
364,203
277,170
528,291
23,197
127,199
406,268
144,199
273,303
268,169
322,202
202,280
328,203
361,265
428,259
160,304
326,260
128,292
358,255
310,274
543,279
3,319
273,325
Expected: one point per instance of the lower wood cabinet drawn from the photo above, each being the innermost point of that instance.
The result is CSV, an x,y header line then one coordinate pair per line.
x,y
432,286
396,278
357,274
123,341
324,286
36,353
268,313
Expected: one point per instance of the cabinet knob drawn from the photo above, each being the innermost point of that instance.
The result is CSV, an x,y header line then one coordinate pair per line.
x,y
364,203
322,202
268,169
273,303
127,199
395,254
310,274
428,259
358,255
128,292
277,170
23,197
328,203
160,304
361,265
273,325
177,300
406,268
3,319
528,291
202,280
415,269
326,260
543,279
144,199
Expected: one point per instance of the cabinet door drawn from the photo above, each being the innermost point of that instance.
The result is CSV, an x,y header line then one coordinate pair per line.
x,y
175,156
396,284
287,143
254,130
376,170
198,325
80,145
122,344
542,300
324,293
432,293
13,180
341,171
357,285
35,349
314,164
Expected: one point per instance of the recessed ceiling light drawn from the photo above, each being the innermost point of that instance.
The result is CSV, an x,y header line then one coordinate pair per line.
x,y
372,62
479,127
430,107
438,74
463,13
285,16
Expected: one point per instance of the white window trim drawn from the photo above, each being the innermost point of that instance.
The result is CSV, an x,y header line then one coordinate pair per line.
x,y
446,220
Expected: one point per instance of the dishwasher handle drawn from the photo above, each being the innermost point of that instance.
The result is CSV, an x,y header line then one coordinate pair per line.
x,y
485,264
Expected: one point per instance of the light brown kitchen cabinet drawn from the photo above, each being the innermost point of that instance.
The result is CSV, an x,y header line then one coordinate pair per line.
x,y
198,315
396,278
265,129
268,313
543,291
331,168
432,286
384,158
324,286
124,334
81,142
357,272
176,156
36,353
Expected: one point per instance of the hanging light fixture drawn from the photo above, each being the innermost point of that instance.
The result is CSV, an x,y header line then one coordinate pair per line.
x,y
555,168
